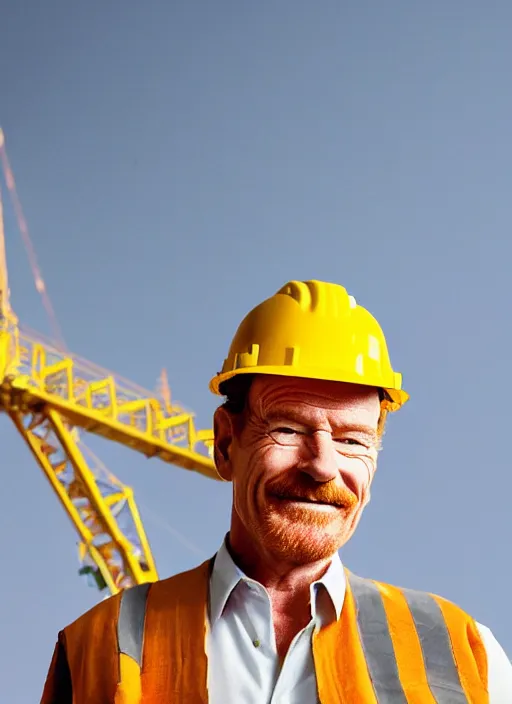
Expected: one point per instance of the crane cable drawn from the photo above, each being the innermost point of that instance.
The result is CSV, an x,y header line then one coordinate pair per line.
x,y
29,247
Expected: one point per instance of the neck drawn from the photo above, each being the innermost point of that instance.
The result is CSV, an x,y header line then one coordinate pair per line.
x,y
285,581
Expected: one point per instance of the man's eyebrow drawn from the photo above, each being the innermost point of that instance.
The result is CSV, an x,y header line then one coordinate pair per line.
x,y
286,413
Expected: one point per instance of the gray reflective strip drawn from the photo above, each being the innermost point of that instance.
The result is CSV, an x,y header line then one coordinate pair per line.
x,y
376,641
442,675
130,623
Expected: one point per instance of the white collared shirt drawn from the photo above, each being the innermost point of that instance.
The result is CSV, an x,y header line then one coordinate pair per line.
x,y
243,665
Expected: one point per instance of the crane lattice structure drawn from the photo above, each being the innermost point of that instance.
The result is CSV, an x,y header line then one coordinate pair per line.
x,y
53,396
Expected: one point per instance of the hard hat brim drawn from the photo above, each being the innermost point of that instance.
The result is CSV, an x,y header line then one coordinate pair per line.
x,y
397,396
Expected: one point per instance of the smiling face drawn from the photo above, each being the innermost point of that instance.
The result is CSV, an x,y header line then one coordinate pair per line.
x,y
301,457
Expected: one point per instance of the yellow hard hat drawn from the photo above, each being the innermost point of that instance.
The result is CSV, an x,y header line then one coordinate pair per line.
x,y
314,330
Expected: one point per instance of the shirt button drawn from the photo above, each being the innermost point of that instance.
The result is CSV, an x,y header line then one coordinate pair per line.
x,y
256,643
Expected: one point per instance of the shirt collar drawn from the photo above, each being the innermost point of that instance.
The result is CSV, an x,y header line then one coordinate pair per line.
x,y
225,576
334,582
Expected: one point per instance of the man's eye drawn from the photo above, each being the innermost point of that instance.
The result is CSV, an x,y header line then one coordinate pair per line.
x,y
284,435
349,441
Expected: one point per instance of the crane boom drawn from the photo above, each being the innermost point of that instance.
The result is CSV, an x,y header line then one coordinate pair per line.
x,y
52,396
97,401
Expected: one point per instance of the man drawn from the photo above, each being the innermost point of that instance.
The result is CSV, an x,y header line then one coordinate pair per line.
x,y
274,616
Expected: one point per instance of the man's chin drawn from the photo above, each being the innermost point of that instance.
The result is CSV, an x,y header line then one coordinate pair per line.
x,y
303,542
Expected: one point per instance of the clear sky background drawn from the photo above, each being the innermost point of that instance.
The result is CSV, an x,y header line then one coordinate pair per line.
x,y
177,163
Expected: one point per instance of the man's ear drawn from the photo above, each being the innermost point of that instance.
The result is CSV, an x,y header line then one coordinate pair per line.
x,y
223,440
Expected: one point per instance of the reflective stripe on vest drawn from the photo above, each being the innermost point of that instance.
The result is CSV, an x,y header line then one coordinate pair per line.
x,y
441,670
130,623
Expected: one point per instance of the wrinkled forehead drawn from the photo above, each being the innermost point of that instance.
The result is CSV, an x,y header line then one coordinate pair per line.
x,y
272,394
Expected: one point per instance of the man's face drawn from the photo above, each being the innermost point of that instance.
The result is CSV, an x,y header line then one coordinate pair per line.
x,y
301,458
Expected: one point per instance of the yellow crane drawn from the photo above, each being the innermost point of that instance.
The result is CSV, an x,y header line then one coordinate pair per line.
x,y
52,396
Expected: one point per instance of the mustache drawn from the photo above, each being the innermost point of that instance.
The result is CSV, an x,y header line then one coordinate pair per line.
x,y
311,491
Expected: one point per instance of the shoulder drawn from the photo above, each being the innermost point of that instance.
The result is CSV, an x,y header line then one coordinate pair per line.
x,y
178,588
106,609
431,615
417,600
429,611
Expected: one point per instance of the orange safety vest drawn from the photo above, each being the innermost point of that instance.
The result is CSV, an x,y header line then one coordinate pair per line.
x,y
390,646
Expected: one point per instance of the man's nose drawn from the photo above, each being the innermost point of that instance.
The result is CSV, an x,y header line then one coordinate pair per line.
x,y
320,459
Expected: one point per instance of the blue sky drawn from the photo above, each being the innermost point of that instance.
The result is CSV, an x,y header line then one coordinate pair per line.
x,y
178,162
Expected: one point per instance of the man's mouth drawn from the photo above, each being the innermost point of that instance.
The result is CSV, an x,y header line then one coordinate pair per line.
x,y
306,500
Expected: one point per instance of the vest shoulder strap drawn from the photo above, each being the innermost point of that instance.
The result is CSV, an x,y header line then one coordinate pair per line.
x,y
400,629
